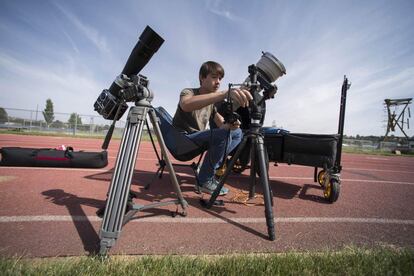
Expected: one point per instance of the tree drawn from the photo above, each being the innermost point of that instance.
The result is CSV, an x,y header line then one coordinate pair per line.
x,y
48,113
74,120
58,124
3,115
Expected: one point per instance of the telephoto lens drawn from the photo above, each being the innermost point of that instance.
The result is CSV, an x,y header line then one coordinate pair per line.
x,y
148,44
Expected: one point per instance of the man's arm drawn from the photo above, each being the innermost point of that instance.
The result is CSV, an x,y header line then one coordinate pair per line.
x,y
190,103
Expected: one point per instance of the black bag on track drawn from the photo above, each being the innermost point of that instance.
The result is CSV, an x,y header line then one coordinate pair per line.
x,y
317,150
30,157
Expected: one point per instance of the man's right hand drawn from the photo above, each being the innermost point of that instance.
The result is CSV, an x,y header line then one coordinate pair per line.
x,y
241,96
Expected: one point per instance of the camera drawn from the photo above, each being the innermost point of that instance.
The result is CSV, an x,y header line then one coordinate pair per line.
x,y
107,105
129,86
132,89
261,78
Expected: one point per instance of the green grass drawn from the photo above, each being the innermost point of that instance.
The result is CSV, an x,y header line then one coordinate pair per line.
x,y
374,152
349,261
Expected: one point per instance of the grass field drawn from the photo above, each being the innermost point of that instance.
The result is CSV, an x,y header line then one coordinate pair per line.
x,y
349,261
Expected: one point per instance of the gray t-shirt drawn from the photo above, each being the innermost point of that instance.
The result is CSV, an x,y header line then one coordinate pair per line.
x,y
195,120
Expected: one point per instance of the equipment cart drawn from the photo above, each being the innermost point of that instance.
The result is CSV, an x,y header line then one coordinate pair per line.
x,y
323,152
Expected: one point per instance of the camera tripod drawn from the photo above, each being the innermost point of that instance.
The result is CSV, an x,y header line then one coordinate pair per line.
x,y
119,208
257,154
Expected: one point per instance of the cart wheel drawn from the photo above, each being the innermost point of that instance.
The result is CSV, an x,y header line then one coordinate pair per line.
x,y
220,171
321,176
331,192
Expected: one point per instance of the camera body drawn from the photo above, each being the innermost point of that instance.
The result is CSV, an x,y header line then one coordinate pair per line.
x,y
128,89
226,110
107,105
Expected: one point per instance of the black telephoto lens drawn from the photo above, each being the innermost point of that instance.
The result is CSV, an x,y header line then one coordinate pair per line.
x,y
149,42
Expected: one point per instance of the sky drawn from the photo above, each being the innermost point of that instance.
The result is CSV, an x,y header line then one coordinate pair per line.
x,y
69,51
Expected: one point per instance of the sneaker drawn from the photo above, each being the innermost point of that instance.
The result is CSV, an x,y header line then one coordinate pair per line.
x,y
210,186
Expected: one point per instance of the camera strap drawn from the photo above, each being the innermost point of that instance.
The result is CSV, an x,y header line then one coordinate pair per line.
x,y
230,102
108,136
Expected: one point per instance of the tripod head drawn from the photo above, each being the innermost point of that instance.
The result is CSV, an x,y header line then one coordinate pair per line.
x,y
132,89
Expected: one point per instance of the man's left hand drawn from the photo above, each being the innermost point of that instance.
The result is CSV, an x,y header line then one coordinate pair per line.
x,y
232,126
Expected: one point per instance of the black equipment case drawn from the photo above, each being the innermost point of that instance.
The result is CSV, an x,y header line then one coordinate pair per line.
x,y
315,150
31,157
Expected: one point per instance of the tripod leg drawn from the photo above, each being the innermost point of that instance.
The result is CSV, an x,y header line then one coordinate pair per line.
x,y
267,194
160,161
121,180
252,190
170,167
223,178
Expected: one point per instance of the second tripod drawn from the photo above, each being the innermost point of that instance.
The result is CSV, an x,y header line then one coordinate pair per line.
x,y
258,153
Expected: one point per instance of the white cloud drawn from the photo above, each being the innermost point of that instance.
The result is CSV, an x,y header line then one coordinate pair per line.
x,y
89,32
69,87
72,43
216,7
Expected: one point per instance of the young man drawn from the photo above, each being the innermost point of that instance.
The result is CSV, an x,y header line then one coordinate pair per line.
x,y
194,110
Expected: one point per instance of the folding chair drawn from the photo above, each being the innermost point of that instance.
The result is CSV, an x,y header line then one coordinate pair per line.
x,y
179,145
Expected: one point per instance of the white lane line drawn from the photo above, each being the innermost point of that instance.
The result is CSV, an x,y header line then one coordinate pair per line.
x,y
346,169
378,181
233,176
377,158
5,219
376,170
343,180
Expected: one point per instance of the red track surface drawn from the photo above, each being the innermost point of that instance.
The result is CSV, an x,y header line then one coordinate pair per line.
x,y
51,211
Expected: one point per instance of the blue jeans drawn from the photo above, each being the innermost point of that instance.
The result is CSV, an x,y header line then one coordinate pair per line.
x,y
216,140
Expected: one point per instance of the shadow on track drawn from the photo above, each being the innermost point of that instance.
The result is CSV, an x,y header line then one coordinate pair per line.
x,y
74,204
160,189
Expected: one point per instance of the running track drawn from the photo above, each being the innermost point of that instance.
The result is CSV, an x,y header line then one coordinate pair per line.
x,y
51,211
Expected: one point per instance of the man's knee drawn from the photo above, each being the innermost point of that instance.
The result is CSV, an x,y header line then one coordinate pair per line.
x,y
221,135
237,134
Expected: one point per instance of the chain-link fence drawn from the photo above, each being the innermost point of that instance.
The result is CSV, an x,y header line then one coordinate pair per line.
x,y
61,123
26,120
369,145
